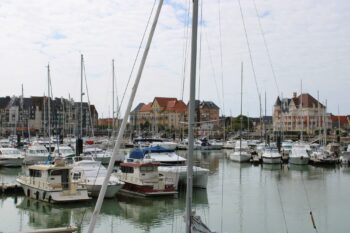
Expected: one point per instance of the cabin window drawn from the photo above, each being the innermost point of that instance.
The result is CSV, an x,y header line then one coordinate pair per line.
x,y
127,169
34,173
147,169
76,175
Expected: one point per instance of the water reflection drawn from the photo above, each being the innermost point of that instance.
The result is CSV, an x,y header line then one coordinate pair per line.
x,y
145,213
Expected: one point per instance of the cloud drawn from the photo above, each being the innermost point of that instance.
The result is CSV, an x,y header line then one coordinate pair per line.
x,y
307,40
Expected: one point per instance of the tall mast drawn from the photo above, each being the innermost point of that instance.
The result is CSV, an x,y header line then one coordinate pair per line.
x,y
113,123
22,112
301,110
123,125
191,116
241,121
81,95
318,117
49,106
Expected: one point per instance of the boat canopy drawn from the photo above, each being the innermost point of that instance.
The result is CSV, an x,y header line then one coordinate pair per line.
x,y
140,153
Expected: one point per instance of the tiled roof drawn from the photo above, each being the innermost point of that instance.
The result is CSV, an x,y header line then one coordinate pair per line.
x,y
342,119
176,106
163,101
307,101
146,108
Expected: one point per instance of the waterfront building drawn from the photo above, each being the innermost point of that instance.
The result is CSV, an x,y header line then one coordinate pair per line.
x,y
300,113
19,115
165,113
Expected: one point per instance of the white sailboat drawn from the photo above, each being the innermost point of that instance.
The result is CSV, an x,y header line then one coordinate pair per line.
x,y
241,152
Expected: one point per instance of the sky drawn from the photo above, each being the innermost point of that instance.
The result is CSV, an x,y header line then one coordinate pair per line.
x,y
308,42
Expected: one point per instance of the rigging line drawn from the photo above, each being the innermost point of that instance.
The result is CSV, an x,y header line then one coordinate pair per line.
x,y
281,203
185,49
249,49
266,47
309,205
200,50
137,55
212,67
88,97
221,64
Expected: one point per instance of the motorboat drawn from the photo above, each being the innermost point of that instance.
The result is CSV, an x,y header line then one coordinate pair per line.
x,y
271,156
142,178
241,152
64,151
165,144
10,157
36,153
91,173
172,165
52,183
345,156
299,154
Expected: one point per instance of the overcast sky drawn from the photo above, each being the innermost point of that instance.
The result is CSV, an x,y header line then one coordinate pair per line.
x,y
308,40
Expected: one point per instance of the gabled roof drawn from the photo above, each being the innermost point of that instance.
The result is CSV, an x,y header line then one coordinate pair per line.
x,y
146,108
278,101
307,101
176,106
163,101
137,108
209,104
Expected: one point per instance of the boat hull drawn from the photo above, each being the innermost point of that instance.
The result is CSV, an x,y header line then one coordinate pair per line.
x,y
299,160
179,175
147,190
56,196
11,162
111,191
29,160
240,158
272,160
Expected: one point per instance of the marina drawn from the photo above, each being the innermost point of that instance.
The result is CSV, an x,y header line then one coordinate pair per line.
x,y
240,197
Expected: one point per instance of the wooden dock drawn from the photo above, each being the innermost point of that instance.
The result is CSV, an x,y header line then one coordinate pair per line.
x,y
10,188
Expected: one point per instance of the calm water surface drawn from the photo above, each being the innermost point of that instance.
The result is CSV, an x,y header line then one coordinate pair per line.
x,y
239,198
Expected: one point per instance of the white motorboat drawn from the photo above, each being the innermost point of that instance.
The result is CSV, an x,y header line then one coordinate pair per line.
x,y
10,157
91,173
299,154
36,153
172,165
271,156
241,153
141,177
165,144
98,154
64,151
51,183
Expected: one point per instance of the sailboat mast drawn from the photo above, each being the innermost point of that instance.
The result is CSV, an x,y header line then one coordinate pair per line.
x,y
241,121
191,116
113,123
81,95
301,110
49,106
123,125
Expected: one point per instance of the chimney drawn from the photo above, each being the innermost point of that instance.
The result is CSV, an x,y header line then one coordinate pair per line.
x,y
294,95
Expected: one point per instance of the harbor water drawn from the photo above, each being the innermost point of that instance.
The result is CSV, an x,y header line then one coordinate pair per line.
x,y
239,198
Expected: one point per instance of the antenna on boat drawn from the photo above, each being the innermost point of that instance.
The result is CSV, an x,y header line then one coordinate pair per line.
x,y
123,125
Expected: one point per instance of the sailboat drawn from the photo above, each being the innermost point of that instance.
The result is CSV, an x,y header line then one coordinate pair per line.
x,y
241,151
299,154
